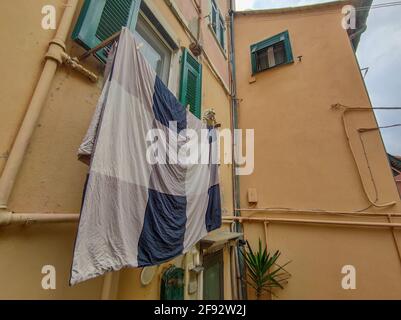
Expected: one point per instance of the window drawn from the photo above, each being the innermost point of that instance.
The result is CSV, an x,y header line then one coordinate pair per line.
x,y
271,52
191,83
153,49
100,19
215,14
218,24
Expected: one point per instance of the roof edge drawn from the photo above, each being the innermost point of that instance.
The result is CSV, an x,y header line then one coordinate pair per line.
x,y
294,9
355,35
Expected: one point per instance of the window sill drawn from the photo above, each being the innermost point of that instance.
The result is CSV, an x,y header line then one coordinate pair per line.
x,y
271,68
223,50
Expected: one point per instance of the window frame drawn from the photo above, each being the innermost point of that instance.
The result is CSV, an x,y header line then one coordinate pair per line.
x,y
269,42
149,25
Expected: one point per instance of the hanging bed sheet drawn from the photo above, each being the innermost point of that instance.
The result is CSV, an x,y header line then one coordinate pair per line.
x,y
143,203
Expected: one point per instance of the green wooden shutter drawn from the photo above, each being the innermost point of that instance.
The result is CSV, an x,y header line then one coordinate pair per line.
x,y
100,19
172,284
215,17
221,31
191,83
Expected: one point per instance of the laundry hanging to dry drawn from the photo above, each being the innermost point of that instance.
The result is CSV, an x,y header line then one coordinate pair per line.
x,y
137,212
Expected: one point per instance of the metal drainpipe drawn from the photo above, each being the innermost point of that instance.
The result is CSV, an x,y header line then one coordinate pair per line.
x,y
53,60
234,266
54,57
242,294
107,286
8,218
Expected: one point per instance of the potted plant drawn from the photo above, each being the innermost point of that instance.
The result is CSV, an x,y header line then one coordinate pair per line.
x,y
264,273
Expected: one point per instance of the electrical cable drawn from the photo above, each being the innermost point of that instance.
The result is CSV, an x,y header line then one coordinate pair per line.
x,y
346,109
378,128
329,11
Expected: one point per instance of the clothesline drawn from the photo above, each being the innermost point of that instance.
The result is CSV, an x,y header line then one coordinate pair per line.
x,y
100,46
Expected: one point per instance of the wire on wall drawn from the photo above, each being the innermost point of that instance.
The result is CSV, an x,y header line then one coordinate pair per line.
x,y
345,109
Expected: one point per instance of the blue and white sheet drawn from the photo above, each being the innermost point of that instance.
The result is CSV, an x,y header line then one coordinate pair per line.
x,y
136,212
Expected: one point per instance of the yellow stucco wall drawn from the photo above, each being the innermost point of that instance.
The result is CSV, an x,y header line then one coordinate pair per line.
x,y
51,179
303,161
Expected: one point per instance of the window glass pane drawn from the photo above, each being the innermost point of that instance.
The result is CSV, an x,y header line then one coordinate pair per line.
x,y
153,49
279,53
262,61
270,56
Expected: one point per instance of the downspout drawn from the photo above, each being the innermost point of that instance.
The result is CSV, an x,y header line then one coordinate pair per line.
x,y
234,124
8,218
53,58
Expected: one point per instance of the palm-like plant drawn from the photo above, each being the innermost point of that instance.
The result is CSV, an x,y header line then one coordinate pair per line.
x,y
265,274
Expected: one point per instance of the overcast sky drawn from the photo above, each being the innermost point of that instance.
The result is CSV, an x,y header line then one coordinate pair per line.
x,y
380,50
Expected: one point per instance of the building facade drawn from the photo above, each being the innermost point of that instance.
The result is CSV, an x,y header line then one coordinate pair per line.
x,y
50,105
320,192
315,173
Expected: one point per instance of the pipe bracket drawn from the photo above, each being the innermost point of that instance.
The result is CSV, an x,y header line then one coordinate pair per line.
x,y
59,43
5,218
74,65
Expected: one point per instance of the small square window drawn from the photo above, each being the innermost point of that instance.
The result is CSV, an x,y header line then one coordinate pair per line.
x,y
270,57
271,52
222,29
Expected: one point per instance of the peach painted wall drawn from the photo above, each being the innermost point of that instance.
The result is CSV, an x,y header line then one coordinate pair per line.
x,y
51,179
303,160
218,56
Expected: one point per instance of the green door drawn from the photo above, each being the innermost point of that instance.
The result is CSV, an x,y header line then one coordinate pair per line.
x,y
172,284
213,276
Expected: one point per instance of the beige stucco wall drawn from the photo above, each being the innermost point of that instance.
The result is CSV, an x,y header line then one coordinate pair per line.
x,y
51,179
217,54
303,161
